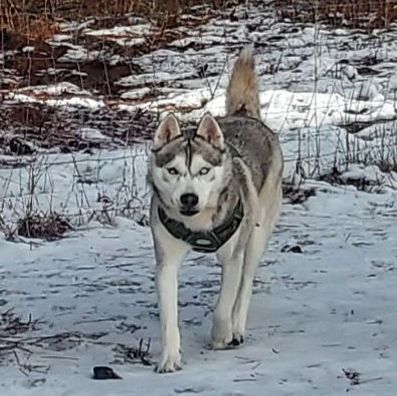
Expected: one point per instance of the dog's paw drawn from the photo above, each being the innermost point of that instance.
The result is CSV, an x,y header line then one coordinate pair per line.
x,y
238,339
222,336
221,344
169,363
228,342
238,330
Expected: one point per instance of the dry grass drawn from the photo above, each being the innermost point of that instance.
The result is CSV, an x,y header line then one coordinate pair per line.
x,y
367,14
37,20
26,19
48,226
12,331
11,324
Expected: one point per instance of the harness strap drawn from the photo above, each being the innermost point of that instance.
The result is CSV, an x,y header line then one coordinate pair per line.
x,y
204,241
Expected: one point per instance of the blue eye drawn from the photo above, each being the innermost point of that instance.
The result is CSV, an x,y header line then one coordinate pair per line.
x,y
204,171
173,171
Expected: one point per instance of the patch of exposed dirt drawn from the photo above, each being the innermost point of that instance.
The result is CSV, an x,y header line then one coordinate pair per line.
x,y
42,67
297,194
35,127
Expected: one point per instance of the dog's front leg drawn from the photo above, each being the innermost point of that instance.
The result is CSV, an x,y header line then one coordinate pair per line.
x,y
168,260
222,331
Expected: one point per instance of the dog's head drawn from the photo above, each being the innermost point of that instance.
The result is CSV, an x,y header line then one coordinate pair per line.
x,y
189,171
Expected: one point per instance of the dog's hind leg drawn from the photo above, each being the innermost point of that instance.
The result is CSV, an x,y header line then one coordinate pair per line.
x,y
254,251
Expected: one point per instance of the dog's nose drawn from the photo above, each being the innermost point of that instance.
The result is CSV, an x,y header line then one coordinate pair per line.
x,y
189,200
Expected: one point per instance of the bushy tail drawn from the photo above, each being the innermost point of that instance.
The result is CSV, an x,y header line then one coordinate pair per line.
x,y
242,95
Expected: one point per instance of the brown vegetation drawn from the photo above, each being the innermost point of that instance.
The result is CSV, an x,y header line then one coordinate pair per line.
x,y
37,20
367,14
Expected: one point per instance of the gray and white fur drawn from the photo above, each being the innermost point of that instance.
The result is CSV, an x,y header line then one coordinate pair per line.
x,y
198,177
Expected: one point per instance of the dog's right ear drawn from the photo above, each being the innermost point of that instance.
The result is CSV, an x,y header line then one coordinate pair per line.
x,y
166,131
210,131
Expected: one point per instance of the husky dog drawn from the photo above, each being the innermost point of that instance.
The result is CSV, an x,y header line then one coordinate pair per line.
x,y
216,188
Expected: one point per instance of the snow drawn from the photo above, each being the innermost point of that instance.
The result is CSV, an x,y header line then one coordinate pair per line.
x,y
92,134
122,35
72,184
313,314
60,37
316,316
75,102
28,48
120,30
72,102
150,78
135,94
77,53
55,89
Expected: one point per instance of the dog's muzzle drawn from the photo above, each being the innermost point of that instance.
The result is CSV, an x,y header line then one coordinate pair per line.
x,y
189,204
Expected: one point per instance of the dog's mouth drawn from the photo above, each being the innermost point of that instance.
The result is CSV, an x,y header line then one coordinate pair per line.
x,y
188,211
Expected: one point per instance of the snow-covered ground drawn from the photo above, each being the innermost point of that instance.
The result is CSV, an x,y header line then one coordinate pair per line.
x,y
322,320
314,314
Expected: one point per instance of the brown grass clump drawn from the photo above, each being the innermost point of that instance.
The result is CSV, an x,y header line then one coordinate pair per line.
x,y
26,21
40,30
48,226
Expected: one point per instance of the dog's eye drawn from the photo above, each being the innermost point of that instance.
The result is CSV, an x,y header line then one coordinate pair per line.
x,y
172,171
204,171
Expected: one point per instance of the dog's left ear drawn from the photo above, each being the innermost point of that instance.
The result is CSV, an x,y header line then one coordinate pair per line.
x,y
166,131
210,130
